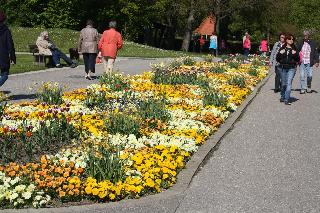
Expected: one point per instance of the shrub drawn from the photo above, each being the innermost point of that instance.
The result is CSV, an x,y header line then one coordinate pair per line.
x,y
50,93
104,163
215,98
238,81
123,124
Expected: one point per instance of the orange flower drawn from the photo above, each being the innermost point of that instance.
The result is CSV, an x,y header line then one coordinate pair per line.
x,y
66,174
29,134
62,194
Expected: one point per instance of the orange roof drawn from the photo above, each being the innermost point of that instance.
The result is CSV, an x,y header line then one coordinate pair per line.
x,y
207,27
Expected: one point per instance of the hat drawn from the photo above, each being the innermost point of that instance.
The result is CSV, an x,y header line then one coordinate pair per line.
x,y
306,32
2,16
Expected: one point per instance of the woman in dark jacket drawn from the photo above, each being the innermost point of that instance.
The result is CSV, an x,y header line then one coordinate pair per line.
x,y
288,58
7,52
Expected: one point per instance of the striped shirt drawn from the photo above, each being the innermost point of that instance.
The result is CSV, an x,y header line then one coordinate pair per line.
x,y
306,50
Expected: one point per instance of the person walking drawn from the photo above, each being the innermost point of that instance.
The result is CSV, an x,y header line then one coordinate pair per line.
x,y
47,47
88,46
264,47
109,44
309,57
246,45
213,44
288,58
274,65
7,51
202,41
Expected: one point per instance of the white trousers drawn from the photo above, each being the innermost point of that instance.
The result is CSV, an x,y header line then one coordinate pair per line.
x,y
108,64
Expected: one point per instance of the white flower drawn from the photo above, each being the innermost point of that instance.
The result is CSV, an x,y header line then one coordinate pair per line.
x,y
38,197
20,188
14,196
26,195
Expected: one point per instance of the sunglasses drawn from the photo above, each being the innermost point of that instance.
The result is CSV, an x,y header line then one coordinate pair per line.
x,y
283,37
290,39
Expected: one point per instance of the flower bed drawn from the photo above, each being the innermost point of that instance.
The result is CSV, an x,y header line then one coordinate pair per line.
x,y
123,138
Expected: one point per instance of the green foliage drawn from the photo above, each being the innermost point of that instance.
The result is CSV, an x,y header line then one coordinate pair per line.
x,y
237,81
234,64
116,82
153,110
95,99
212,97
253,71
50,93
217,69
123,124
28,145
104,163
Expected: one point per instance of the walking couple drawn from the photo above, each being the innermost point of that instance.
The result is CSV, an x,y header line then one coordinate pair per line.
x,y
89,44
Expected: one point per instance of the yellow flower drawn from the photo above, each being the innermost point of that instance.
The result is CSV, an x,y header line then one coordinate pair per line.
x,y
95,191
112,196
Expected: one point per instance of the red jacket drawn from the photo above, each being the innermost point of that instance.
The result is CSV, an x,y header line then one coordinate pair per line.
x,y
110,42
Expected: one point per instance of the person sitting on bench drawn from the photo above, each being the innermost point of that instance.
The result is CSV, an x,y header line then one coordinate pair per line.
x,y
47,47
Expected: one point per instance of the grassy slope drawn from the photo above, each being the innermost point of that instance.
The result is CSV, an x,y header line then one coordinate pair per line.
x,y
65,39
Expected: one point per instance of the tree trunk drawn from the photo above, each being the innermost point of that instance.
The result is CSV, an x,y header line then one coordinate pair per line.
x,y
188,31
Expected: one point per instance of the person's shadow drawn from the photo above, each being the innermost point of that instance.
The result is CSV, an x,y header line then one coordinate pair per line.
x,y
18,97
293,99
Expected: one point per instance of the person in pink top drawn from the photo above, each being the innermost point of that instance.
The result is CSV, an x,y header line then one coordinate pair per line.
x,y
109,44
246,45
264,47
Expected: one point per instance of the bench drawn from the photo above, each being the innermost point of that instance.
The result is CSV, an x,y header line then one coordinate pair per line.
x,y
40,59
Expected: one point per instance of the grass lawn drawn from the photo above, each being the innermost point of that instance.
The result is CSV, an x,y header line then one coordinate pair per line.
x,y
25,64
65,39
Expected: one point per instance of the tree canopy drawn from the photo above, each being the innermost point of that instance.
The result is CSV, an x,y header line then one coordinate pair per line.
x,y
262,18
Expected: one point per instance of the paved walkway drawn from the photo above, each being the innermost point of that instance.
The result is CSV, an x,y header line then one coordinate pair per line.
x,y
269,162
18,85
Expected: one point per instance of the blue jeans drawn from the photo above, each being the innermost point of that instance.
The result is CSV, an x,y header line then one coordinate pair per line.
x,y
305,69
246,52
57,54
3,77
286,82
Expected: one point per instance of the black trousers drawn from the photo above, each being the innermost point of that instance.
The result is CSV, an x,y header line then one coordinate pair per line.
x,y
277,79
89,62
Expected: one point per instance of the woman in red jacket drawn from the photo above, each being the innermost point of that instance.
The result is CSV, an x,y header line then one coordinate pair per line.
x,y
109,44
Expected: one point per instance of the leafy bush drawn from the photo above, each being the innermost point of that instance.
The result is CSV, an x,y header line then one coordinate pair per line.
x,y
123,124
212,97
116,82
104,163
50,93
238,81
